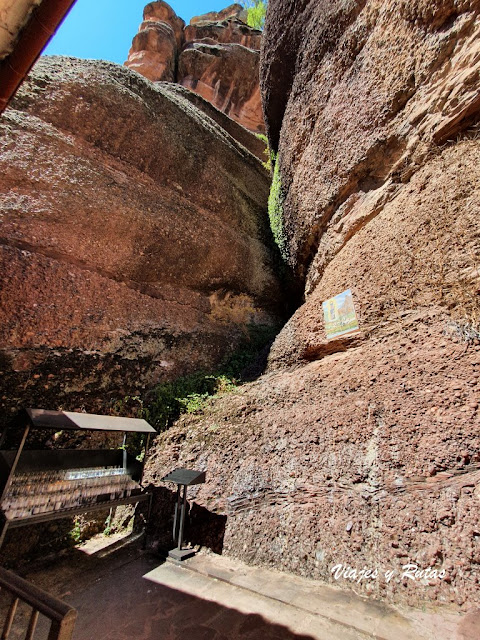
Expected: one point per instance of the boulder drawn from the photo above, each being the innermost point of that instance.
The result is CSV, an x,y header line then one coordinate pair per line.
x,y
228,31
155,48
217,73
355,106
254,143
154,52
134,241
232,11
162,12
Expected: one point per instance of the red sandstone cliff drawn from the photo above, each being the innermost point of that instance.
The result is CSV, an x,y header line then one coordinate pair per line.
x,y
134,243
216,56
365,450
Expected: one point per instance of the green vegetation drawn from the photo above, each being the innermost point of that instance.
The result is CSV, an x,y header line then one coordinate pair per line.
x,y
270,161
190,394
275,209
77,531
256,10
131,406
108,525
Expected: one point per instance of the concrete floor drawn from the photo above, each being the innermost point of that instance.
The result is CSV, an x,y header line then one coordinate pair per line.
x,y
132,595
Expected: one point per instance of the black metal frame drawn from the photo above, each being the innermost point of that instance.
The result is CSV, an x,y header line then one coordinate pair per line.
x,y
183,478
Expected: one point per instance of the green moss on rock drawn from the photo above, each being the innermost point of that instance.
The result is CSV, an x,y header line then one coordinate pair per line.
x,y
275,209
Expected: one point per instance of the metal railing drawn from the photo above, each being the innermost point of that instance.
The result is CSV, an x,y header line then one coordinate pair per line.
x,y
61,615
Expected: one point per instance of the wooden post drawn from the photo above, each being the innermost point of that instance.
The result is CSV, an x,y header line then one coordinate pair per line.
x,y
9,619
32,625
63,630
182,517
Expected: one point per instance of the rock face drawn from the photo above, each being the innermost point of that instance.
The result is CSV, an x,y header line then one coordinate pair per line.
x,y
364,451
232,11
216,56
217,73
134,245
155,48
358,104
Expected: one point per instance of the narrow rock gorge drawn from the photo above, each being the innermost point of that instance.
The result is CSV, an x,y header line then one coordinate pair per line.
x,y
136,248
365,450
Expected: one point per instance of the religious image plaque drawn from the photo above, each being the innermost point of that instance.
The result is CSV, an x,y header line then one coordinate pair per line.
x,y
339,314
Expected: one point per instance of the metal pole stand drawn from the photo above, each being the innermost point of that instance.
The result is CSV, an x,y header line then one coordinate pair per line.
x,y
183,478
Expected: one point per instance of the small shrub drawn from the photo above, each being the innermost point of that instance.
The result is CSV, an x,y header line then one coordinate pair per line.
x,y
256,11
190,394
76,532
108,525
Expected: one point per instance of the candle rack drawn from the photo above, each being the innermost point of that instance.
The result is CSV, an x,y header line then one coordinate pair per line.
x,y
42,485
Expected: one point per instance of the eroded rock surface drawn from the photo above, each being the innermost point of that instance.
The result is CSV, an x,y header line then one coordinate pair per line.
x,y
134,242
155,48
232,11
364,450
355,105
216,56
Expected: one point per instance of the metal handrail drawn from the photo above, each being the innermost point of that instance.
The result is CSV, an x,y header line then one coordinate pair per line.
x,y
61,615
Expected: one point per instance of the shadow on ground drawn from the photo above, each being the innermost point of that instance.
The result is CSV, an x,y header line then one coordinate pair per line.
x,y
115,602
202,527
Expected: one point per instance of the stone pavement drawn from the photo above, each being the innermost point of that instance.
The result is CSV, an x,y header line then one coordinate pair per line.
x,y
133,595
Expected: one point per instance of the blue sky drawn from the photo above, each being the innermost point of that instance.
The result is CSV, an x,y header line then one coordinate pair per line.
x,y
103,29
